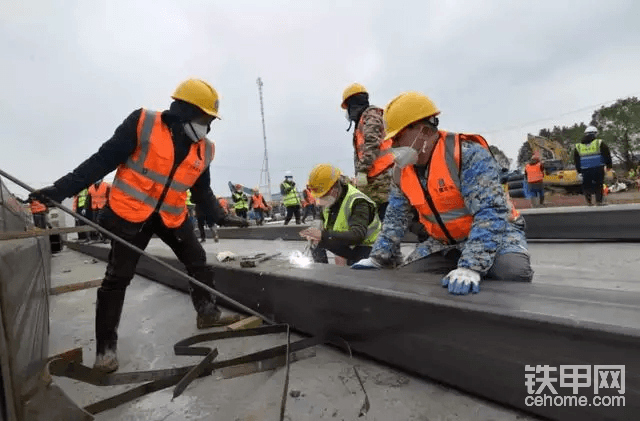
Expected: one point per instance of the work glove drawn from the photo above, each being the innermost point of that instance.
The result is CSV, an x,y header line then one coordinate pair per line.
x,y
361,180
460,281
46,195
368,263
234,221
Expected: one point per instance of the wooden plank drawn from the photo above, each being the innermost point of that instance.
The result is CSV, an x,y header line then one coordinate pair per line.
x,y
61,289
38,232
248,323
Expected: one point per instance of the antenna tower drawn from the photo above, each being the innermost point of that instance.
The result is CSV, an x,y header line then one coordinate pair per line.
x,y
265,178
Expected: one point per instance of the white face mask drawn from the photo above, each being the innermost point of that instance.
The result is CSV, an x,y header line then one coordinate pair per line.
x,y
196,131
326,201
403,156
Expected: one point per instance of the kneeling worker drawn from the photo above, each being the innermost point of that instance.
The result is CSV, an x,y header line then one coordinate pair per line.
x,y
350,220
453,182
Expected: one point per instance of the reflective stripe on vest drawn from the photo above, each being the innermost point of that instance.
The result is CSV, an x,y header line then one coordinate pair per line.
x,y
534,173
141,182
291,198
37,207
590,156
341,223
241,201
82,198
98,196
442,210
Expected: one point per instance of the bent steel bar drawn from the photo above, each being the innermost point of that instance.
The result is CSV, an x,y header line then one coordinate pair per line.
x,y
480,344
612,222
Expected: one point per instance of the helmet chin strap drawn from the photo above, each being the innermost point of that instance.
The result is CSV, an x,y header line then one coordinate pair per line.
x,y
350,124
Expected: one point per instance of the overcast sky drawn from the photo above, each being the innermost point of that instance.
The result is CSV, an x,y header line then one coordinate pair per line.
x,y
71,71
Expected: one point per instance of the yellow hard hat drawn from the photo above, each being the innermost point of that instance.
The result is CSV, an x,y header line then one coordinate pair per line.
x,y
322,177
199,93
351,90
405,109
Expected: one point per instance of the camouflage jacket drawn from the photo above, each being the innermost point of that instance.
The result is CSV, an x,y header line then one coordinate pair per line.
x,y
491,233
371,128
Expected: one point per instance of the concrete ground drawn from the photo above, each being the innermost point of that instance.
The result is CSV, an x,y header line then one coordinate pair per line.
x,y
155,317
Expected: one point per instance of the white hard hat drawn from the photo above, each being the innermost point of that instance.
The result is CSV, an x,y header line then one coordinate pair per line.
x,y
288,174
591,129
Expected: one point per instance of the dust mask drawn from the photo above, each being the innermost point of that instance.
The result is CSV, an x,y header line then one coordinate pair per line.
x,y
403,156
196,131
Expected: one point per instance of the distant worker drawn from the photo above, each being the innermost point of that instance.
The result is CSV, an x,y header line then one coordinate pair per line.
x,y
309,204
224,204
240,202
259,206
81,206
158,157
591,156
452,181
191,207
98,197
372,164
350,220
290,198
534,171
39,213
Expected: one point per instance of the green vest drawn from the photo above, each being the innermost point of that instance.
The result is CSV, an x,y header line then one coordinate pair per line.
x,y
590,156
189,198
291,198
342,221
82,198
240,201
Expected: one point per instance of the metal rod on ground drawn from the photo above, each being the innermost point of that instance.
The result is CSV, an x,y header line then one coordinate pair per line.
x,y
141,252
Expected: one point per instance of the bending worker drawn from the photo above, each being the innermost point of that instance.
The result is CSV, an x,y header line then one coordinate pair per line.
x,y
372,165
591,156
349,218
158,156
453,183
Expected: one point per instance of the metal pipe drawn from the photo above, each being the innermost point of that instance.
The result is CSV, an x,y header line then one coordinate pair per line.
x,y
140,251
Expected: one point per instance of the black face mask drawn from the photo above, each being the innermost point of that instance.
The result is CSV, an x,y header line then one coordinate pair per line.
x,y
356,106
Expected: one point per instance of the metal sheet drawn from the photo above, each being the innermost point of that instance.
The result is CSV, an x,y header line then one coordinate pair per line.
x,y
479,344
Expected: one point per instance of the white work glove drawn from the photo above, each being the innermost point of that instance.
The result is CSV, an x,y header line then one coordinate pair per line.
x,y
460,281
367,263
361,180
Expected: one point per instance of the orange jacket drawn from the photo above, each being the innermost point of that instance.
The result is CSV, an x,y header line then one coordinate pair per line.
x,y
308,198
257,201
37,207
442,210
99,195
534,173
143,180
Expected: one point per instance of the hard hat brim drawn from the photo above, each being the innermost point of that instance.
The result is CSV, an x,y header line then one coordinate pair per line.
x,y
207,111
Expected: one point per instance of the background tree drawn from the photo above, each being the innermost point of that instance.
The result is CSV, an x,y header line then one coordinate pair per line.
x,y
502,159
619,127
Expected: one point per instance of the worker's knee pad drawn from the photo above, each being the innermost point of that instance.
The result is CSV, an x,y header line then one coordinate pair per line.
x,y
514,267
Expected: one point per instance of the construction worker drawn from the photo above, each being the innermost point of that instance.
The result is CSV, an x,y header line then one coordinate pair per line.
x,y
258,204
203,219
39,213
309,204
81,206
224,204
290,198
191,207
591,156
349,218
240,202
452,181
534,172
158,157
98,197
372,164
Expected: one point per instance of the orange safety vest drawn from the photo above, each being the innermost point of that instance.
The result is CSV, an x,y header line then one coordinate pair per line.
x,y
308,198
98,196
442,210
143,184
258,202
383,161
534,173
224,204
37,207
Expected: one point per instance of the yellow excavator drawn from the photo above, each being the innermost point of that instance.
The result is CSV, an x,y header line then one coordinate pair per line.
x,y
560,173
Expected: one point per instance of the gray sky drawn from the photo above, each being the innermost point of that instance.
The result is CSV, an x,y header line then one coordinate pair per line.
x,y
73,70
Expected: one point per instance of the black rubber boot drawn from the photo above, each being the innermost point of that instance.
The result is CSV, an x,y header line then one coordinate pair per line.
x,y
108,312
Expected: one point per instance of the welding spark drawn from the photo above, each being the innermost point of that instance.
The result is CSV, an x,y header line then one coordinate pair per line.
x,y
298,259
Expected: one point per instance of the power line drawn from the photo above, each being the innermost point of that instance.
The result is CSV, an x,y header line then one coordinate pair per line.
x,y
519,126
